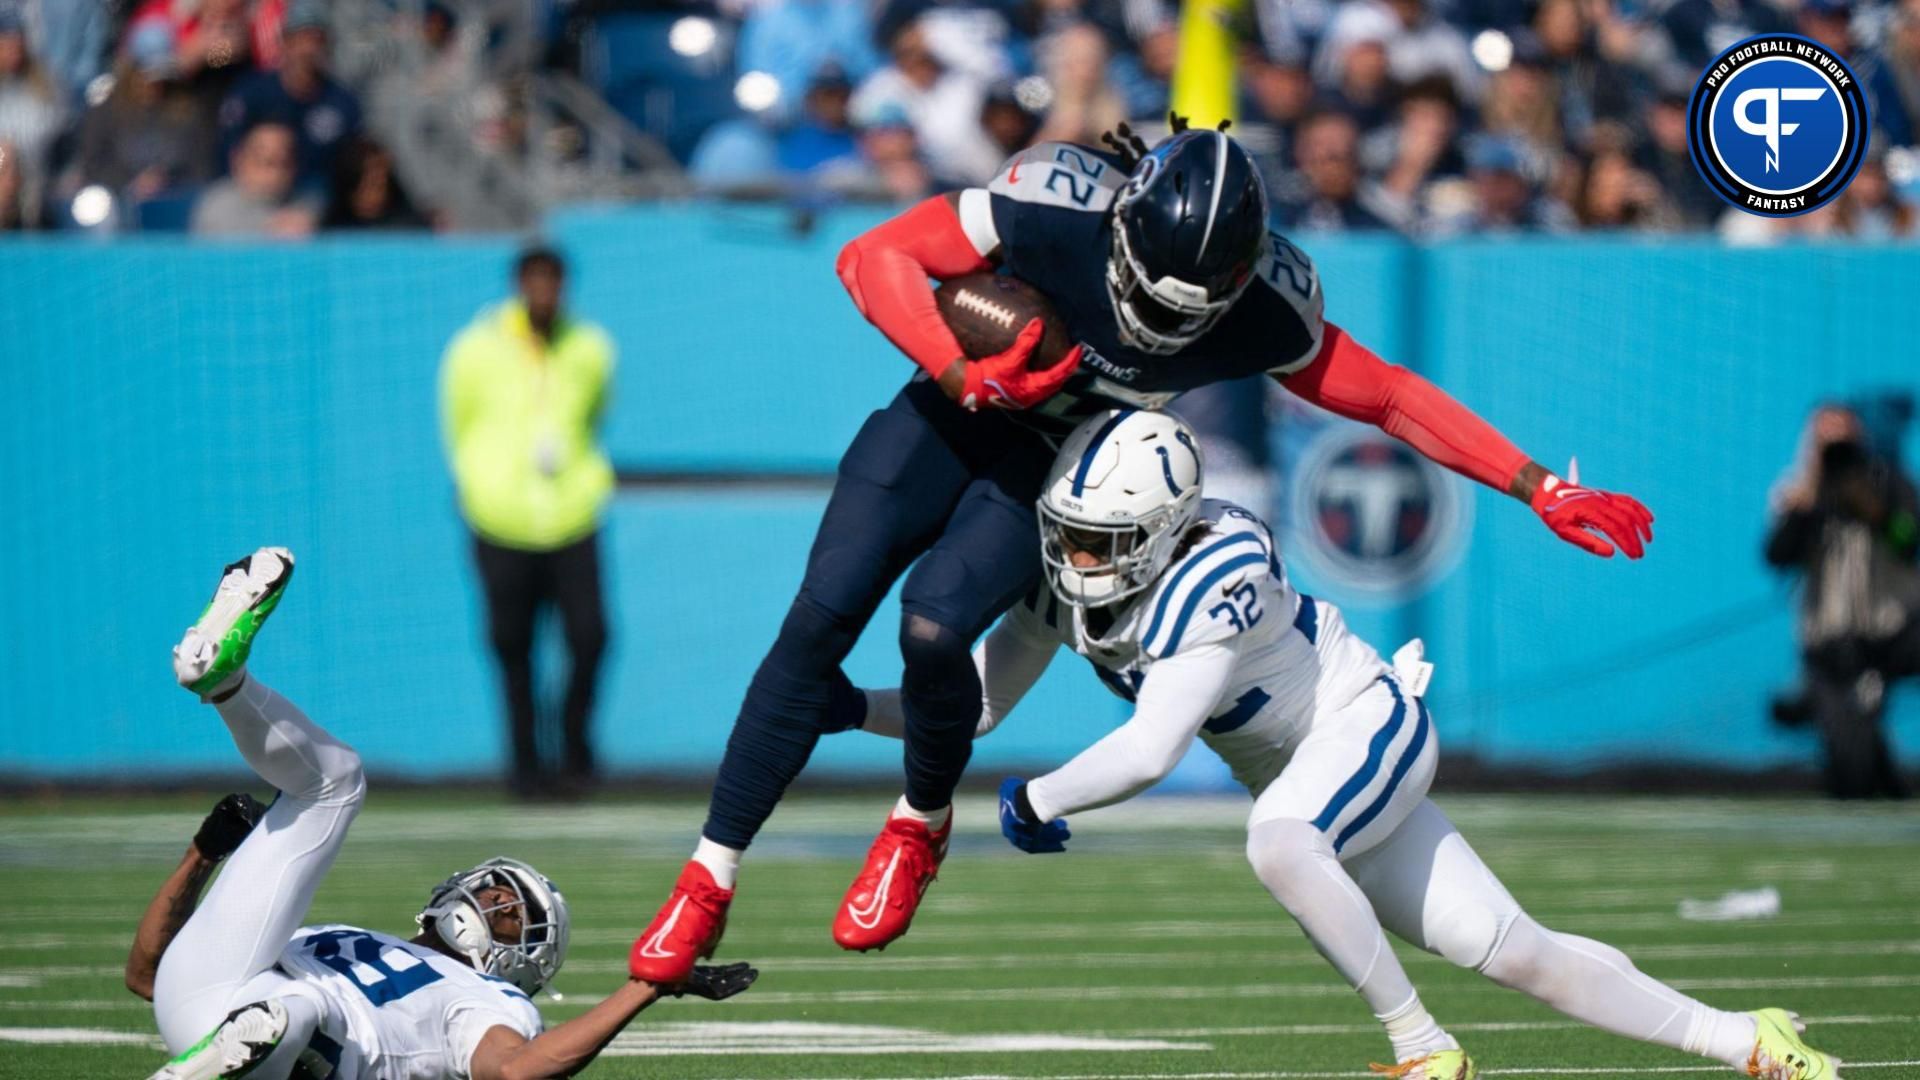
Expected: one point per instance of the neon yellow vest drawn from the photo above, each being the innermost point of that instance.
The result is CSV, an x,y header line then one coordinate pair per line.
x,y
518,416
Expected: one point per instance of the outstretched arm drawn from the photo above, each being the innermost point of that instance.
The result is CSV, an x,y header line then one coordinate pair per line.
x,y
885,271
1173,703
1348,379
565,1049
505,1054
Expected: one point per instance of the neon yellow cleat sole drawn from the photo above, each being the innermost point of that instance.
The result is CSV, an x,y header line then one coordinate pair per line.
x,y
1439,1065
1779,1053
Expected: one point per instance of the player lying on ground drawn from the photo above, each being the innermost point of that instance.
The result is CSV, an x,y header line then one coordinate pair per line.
x,y
1183,608
239,988
1160,264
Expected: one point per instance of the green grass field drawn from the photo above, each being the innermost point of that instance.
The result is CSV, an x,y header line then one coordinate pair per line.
x,y
1146,951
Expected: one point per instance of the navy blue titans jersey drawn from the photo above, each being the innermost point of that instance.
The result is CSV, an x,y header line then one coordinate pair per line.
x,y
1046,218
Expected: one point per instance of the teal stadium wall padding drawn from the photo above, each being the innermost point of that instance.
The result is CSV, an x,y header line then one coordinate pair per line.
x,y
168,406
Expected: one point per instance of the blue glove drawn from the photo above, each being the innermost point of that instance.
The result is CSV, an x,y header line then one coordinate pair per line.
x,y
1018,826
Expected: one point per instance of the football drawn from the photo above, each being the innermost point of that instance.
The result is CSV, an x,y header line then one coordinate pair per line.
x,y
986,312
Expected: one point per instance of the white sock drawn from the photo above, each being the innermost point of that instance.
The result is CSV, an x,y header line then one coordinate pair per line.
x,y
1596,983
720,860
1414,1031
934,821
1722,1035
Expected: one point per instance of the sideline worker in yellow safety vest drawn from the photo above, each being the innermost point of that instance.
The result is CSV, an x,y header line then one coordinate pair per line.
x,y
522,391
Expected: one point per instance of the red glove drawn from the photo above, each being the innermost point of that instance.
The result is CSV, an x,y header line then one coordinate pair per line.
x,y
1002,380
1588,518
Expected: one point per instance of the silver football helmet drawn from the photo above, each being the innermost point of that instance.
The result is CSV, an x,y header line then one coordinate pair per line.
x,y
455,913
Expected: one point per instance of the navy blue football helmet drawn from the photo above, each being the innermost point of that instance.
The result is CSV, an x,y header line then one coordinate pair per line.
x,y
1187,231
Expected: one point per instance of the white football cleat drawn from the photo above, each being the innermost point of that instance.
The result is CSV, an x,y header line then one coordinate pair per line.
x,y
215,648
247,1037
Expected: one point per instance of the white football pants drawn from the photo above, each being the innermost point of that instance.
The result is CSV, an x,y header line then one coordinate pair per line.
x,y
223,957
1427,885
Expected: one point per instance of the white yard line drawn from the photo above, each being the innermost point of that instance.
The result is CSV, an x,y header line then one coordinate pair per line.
x,y
1065,994
1279,929
67,1036
37,942
1654,1069
65,971
1027,995
793,1038
1188,959
1800,982
1184,958
801,1038
1309,1030
1607,1070
128,1003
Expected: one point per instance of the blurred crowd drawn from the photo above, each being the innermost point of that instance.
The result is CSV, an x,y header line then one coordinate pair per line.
x,y
1421,117
219,116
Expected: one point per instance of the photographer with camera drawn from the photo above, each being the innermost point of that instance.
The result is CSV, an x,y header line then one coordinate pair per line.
x,y
1846,517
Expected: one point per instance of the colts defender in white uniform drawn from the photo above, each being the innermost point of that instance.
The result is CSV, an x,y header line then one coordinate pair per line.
x,y
1183,608
274,999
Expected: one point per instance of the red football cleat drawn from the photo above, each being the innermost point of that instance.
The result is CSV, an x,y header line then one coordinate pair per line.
x,y
900,865
686,930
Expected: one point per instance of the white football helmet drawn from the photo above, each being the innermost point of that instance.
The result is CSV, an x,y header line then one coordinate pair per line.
x,y
455,913
1124,488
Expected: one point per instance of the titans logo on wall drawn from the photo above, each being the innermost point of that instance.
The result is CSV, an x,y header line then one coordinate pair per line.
x,y
1373,518
1777,125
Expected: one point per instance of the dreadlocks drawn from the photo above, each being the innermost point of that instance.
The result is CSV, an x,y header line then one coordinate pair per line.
x,y
1126,142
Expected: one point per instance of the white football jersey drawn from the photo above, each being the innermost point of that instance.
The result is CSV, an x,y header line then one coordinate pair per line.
x,y
1296,656
400,1011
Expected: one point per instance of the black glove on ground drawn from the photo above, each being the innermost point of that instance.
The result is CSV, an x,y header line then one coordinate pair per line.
x,y
715,983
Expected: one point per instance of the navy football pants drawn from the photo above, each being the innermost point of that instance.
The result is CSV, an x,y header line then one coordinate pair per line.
x,y
923,480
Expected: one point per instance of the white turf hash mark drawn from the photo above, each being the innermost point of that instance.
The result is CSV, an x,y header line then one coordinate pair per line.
x,y
796,1038
1609,1070
1333,1030
785,1038
1026,995
67,1036
1265,959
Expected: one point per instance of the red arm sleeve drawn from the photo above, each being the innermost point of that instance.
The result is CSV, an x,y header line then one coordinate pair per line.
x,y
1349,379
886,268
